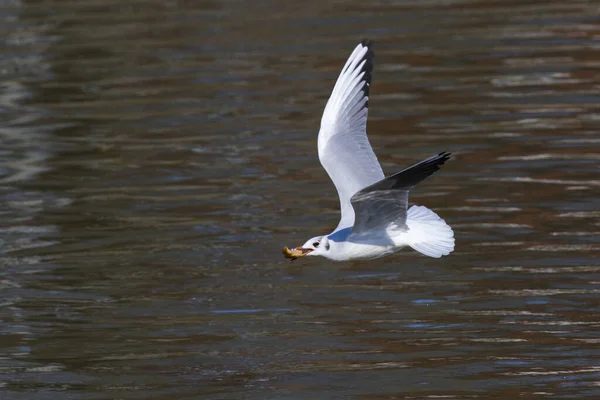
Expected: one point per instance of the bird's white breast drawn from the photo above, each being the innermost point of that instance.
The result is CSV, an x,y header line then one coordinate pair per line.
x,y
345,251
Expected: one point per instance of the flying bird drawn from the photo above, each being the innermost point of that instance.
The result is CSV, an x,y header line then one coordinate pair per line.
x,y
375,218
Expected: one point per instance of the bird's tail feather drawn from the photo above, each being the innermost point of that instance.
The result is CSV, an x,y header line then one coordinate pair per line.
x,y
428,233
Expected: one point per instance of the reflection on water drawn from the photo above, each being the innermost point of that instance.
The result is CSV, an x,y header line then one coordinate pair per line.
x,y
156,156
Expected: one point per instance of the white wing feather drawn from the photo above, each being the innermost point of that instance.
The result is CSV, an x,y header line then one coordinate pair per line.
x,y
344,149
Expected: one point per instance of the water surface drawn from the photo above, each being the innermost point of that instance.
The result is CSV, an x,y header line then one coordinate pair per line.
x,y
156,156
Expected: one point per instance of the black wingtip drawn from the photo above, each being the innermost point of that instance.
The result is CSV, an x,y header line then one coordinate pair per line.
x,y
444,156
438,161
366,42
368,67
409,177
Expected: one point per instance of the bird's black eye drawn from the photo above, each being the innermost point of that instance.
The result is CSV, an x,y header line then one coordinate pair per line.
x,y
316,244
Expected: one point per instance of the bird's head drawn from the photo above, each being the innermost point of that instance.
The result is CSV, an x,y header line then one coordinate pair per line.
x,y
317,246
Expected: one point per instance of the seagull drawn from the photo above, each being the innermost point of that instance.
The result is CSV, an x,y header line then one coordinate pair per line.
x,y
375,218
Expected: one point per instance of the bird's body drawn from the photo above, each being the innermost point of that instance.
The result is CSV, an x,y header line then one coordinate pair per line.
x,y
345,246
423,226
375,218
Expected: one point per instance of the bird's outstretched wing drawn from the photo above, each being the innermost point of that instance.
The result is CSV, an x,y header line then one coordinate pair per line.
x,y
384,204
344,150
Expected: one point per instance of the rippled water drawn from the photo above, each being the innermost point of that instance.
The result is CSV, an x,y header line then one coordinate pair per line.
x,y
156,156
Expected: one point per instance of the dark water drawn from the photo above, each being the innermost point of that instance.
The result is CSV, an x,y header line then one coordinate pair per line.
x,y
156,155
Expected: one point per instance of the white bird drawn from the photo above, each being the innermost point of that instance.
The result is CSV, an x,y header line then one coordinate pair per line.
x,y
375,219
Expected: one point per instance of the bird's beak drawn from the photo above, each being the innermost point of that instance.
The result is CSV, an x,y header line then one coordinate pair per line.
x,y
295,253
